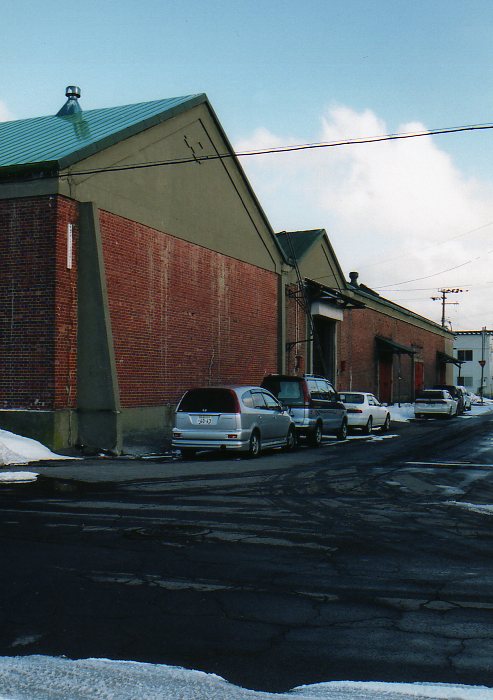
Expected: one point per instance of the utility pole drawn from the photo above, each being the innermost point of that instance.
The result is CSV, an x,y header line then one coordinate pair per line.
x,y
443,298
482,362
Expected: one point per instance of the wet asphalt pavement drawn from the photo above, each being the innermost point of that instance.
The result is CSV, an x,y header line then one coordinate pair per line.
x,y
365,560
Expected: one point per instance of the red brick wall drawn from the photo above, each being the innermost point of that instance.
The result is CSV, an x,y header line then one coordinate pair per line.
x,y
66,307
37,303
358,366
27,236
183,315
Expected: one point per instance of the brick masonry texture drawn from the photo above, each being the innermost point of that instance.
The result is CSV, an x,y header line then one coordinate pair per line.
x,y
183,315
357,351
38,304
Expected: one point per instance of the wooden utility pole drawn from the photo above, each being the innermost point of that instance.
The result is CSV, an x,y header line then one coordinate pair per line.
x,y
443,298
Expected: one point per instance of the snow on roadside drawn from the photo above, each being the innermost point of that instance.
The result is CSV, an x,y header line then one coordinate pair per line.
x,y
402,413
17,477
15,449
48,678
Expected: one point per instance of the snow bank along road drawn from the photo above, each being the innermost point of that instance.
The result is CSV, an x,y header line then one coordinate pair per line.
x,y
365,560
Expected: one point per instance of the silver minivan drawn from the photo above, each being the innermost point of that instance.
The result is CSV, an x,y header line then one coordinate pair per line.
x,y
242,418
314,404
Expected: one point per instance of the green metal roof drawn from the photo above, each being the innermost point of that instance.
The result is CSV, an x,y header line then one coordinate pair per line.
x,y
63,141
298,242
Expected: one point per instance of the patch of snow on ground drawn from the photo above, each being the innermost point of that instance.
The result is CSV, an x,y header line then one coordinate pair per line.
x,y
15,449
22,477
486,509
401,413
47,678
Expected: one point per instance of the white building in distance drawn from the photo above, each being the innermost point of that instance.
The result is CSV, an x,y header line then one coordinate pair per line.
x,y
475,350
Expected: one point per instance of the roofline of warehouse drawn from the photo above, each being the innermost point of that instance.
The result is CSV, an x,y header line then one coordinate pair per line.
x,y
53,169
406,312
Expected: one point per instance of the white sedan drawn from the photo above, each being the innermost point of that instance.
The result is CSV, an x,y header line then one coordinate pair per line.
x,y
365,411
435,402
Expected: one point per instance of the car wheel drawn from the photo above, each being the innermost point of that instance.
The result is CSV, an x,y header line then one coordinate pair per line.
x,y
291,440
315,437
386,426
342,432
254,447
187,452
368,427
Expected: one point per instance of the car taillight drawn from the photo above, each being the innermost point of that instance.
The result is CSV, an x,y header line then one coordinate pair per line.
x,y
233,436
354,410
176,435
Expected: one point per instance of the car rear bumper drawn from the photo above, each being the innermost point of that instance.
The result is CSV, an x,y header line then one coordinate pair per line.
x,y
356,421
432,411
216,444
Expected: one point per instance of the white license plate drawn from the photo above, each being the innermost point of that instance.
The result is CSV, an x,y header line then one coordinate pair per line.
x,y
204,420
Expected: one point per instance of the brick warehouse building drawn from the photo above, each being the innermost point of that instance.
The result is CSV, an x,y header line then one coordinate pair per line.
x,y
122,286
389,350
351,334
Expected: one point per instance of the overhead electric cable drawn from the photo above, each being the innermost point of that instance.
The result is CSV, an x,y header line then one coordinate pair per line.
x,y
416,279
281,149
422,250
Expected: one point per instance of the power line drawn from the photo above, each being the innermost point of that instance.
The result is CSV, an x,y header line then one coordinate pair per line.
x,y
434,245
435,274
427,277
281,149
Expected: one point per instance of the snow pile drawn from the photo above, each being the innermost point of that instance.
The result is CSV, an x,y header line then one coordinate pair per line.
x,y
15,449
46,678
401,413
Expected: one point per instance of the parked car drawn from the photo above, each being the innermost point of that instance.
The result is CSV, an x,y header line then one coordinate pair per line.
x,y
467,398
365,411
456,393
435,402
242,418
313,403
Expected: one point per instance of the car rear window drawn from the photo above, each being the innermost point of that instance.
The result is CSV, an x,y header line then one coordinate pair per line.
x,y
208,401
287,391
430,395
352,398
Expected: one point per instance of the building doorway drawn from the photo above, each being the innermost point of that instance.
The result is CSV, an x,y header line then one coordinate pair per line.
x,y
324,347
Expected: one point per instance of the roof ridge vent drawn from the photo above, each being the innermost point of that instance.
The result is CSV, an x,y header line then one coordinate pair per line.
x,y
71,106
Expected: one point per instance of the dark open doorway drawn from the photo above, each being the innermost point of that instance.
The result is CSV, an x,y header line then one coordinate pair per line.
x,y
324,342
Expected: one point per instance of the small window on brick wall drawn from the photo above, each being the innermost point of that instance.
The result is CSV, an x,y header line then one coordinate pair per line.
x,y
464,355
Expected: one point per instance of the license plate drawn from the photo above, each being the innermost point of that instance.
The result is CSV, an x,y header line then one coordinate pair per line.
x,y
204,420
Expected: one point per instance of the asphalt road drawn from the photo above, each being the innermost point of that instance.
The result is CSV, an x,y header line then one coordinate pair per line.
x,y
367,560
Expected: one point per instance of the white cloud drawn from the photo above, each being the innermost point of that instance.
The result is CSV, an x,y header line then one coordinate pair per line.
x,y
5,114
394,211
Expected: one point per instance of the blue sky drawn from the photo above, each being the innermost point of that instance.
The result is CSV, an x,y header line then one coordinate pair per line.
x,y
298,72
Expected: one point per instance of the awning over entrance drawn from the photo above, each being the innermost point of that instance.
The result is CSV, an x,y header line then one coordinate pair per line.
x,y
326,295
443,358
389,345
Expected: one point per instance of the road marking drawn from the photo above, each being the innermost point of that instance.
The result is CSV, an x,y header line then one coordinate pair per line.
x,y
450,464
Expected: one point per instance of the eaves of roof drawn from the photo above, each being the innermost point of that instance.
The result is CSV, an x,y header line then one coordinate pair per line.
x,y
401,309
296,244
55,143
45,146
